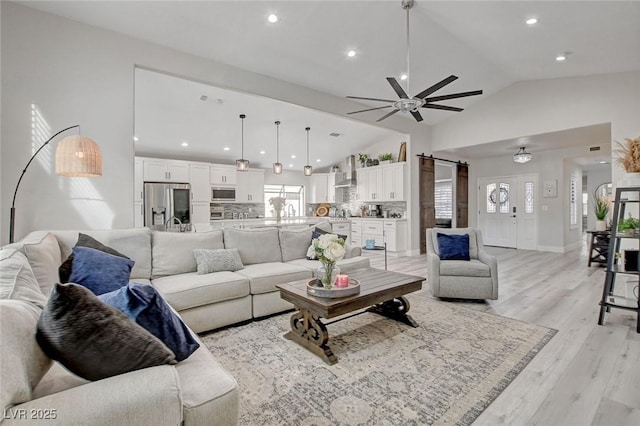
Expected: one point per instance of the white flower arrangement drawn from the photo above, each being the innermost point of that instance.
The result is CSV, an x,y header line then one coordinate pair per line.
x,y
328,248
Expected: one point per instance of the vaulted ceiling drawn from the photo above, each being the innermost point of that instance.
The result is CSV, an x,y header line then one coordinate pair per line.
x,y
485,43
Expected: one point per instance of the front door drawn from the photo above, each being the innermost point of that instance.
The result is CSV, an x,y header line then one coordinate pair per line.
x,y
498,211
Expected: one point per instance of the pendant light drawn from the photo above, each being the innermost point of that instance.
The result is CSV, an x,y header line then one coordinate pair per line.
x,y
308,170
242,165
277,166
522,156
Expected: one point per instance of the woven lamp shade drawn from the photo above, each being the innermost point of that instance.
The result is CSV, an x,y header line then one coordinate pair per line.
x,y
78,156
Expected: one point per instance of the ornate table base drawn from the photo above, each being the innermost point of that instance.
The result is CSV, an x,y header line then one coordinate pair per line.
x,y
308,331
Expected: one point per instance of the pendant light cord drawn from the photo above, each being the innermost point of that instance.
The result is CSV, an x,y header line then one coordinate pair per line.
x,y
307,129
277,141
408,51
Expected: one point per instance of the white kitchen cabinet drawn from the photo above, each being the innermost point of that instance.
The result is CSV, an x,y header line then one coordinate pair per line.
x,y
222,175
318,188
393,182
331,188
373,229
199,180
374,184
395,235
138,214
138,181
250,187
342,228
356,233
158,170
200,212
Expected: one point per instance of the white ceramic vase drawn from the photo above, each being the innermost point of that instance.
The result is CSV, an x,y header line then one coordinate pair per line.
x,y
601,225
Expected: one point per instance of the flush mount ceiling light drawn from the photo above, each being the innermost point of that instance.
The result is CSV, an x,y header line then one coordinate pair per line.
x,y
242,165
308,170
185,144
273,18
522,156
351,53
277,166
531,21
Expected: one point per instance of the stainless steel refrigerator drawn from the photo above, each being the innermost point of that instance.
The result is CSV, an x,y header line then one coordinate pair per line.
x,y
167,205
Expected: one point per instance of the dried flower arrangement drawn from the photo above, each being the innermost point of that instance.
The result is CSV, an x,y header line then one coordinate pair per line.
x,y
629,155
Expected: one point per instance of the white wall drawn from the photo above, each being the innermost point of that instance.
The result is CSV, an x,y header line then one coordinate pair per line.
x,y
572,234
76,73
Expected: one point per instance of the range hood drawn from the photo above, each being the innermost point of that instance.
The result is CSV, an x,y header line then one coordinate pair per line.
x,y
349,175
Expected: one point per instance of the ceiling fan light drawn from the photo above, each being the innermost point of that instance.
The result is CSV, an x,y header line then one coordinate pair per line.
x,y
277,168
522,156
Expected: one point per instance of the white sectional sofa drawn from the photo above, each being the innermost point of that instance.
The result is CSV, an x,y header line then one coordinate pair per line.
x,y
204,392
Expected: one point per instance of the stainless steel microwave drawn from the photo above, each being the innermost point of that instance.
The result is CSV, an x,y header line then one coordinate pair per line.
x,y
223,194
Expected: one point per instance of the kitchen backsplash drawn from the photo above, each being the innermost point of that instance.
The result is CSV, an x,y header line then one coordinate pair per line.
x,y
351,204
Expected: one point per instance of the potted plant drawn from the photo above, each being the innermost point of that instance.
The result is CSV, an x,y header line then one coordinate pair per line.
x,y
362,158
629,225
385,158
628,157
601,209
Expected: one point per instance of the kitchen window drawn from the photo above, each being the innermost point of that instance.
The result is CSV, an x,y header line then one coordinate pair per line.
x,y
294,196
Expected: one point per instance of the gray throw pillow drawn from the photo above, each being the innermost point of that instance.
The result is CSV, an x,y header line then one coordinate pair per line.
x,y
217,260
94,340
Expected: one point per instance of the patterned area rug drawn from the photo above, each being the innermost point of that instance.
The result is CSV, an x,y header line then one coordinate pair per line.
x,y
446,371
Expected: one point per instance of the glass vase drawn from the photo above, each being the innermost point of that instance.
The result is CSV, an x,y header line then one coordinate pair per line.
x,y
327,274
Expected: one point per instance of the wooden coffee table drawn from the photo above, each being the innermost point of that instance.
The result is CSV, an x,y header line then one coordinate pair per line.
x,y
380,291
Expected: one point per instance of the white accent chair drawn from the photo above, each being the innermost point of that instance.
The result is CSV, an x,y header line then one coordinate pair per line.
x,y
476,278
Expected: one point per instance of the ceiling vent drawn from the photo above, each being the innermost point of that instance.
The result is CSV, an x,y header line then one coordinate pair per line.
x,y
335,135
594,148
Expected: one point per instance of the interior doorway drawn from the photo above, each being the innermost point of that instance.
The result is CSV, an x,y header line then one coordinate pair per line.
x,y
508,211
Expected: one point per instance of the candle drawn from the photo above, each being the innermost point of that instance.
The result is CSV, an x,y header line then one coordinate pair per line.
x,y
342,281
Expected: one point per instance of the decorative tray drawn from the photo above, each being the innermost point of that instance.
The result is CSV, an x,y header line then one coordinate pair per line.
x,y
335,292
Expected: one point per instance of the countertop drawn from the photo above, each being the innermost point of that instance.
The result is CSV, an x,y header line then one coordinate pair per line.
x,y
301,220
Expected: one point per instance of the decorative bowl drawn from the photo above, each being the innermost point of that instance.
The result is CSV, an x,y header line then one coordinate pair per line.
x,y
335,292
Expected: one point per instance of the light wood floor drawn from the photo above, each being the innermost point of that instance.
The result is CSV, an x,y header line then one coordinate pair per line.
x,y
587,374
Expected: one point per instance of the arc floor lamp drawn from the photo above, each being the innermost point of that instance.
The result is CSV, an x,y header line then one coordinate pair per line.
x,y
76,156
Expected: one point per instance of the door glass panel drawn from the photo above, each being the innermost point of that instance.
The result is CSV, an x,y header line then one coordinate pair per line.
x,y
504,198
528,197
491,198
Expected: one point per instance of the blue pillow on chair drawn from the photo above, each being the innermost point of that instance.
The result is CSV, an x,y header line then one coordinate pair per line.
x,y
453,247
98,271
144,305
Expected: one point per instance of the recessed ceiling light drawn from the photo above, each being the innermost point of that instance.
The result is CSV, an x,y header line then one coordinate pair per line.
x,y
135,139
351,53
290,165
226,148
293,156
272,18
561,57
184,144
318,160
262,152
603,162
403,77
531,21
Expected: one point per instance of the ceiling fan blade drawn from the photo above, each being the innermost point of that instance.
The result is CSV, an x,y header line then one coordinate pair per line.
x,y
416,115
444,107
387,115
370,99
398,89
370,109
453,96
437,86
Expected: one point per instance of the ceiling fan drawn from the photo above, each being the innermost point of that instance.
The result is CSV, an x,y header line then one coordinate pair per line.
x,y
422,99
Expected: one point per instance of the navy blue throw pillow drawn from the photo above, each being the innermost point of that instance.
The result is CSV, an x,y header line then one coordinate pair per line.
x,y
98,271
144,305
453,247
